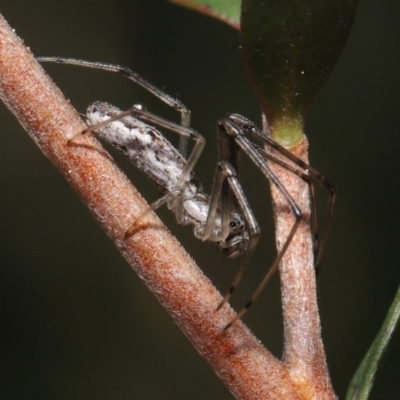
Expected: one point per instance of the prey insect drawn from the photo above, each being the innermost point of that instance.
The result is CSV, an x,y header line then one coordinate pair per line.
x,y
225,217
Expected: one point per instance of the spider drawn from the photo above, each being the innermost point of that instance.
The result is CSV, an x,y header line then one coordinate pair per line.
x,y
224,217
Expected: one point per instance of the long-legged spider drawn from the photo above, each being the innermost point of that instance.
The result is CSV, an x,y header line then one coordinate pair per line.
x,y
225,217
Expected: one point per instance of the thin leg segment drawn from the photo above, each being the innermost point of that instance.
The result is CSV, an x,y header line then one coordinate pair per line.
x,y
134,77
237,132
308,175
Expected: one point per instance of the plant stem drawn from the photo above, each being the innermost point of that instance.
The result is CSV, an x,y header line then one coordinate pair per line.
x,y
304,353
248,370
361,384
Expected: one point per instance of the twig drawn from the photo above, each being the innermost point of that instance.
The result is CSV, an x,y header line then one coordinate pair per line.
x,y
249,371
303,348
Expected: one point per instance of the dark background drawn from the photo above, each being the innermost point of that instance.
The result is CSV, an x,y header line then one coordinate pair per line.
x,y
77,323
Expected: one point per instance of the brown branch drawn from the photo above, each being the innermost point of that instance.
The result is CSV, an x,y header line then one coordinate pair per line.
x,y
249,371
304,353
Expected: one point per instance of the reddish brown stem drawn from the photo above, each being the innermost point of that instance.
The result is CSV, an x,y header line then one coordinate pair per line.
x,y
249,371
303,350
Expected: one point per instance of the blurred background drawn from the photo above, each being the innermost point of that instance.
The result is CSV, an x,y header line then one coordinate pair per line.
x,y
77,323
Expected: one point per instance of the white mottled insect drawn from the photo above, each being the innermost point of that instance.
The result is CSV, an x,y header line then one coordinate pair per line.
x,y
225,217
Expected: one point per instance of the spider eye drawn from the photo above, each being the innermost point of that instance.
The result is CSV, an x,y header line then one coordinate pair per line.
x,y
249,126
236,225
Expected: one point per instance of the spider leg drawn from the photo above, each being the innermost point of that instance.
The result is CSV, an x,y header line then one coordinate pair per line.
x,y
308,175
152,207
235,129
308,180
138,79
252,225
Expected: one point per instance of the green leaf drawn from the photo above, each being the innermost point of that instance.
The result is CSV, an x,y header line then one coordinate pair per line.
x,y
289,48
227,11
361,384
